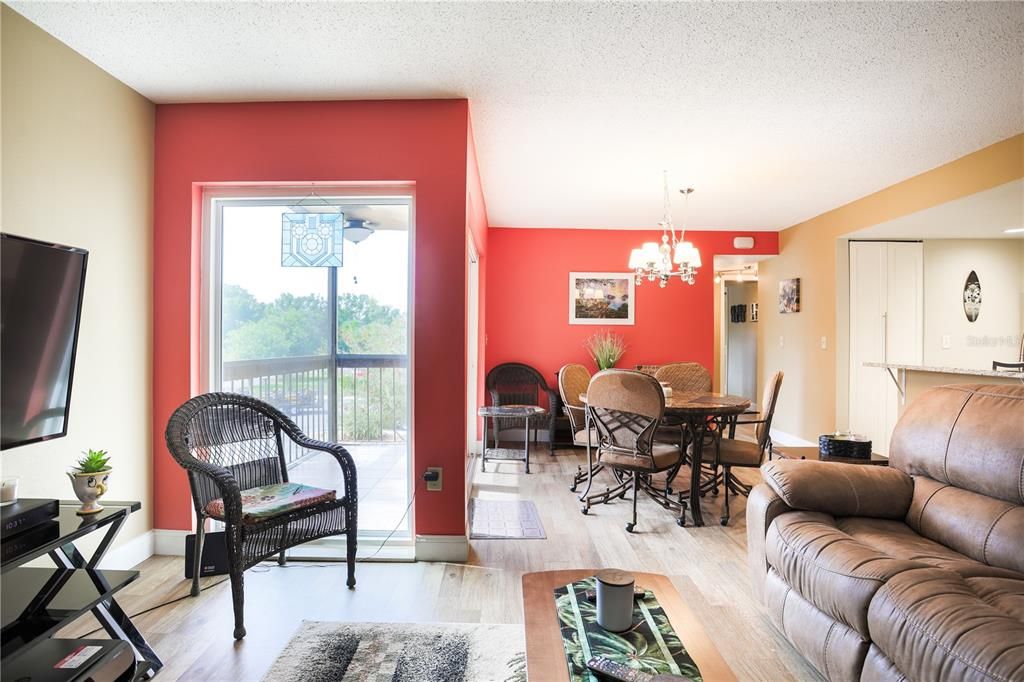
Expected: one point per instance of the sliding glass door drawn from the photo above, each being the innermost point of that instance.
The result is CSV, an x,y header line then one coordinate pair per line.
x,y
328,345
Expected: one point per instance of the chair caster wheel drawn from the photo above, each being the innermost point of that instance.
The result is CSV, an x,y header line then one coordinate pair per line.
x,y
572,488
239,633
584,511
630,527
681,522
724,522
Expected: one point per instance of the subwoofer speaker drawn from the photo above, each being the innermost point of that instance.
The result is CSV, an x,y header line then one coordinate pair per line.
x,y
215,555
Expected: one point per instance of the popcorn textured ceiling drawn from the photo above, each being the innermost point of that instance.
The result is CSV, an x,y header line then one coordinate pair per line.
x,y
774,112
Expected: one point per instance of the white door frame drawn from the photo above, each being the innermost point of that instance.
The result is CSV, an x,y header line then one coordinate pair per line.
x,y
472,342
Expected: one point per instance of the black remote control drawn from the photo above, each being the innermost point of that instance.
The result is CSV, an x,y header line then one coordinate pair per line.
x,y
608,669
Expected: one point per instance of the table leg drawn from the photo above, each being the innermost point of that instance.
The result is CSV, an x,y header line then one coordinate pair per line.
x,y
527,445
697,426
109,613
483,450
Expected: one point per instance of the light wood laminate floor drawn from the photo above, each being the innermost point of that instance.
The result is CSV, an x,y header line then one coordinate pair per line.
x,y
707,565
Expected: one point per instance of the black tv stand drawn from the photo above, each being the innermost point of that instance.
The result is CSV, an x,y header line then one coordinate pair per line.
x,y
37,602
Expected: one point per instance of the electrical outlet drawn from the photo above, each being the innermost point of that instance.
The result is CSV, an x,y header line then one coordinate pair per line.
x,y
782,342
824,343
437,474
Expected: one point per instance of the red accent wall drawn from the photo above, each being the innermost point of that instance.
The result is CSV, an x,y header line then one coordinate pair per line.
x,y
422,142
528,297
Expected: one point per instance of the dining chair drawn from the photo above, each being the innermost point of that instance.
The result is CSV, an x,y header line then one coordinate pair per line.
x,y
730,452
681,377
685,377
626,408
573,380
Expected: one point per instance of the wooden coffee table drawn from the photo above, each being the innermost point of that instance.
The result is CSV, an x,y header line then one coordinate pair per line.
x,y
545,657
798,452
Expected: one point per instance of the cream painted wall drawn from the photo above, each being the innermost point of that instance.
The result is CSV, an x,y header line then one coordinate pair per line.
x,y
995,335
77,168
808,402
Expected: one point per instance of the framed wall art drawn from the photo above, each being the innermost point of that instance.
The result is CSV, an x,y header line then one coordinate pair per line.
x,y
606,298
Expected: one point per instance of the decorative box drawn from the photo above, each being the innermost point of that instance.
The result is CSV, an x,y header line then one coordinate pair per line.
x,y
844,445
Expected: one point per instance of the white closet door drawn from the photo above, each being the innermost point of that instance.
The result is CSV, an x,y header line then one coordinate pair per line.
x,y
904,338
868,272
886,325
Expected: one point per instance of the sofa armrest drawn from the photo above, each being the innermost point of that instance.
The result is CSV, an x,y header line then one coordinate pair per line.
x,y
841,489
763,505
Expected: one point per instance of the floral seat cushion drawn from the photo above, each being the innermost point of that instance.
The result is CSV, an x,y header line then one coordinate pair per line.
x,y
268,501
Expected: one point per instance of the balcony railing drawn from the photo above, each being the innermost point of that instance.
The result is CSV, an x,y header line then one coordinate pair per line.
x,y
363,400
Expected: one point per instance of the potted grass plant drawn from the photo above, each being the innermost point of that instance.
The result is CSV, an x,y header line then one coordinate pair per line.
x,y
606,348
89,480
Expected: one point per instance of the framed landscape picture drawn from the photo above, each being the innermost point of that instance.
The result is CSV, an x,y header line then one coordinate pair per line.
x,y
789,295
601,298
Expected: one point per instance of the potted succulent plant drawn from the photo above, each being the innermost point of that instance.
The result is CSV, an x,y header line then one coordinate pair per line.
x,y
606,348
89,480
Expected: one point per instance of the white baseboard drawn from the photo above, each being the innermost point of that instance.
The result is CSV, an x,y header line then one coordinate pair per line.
x,y
169,542
447,548
131,553
783,438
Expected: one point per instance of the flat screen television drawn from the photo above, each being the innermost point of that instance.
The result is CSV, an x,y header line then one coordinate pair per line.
x,y
41,287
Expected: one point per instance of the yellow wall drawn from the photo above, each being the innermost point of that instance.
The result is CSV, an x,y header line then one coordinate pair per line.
x,y
807,404
77,161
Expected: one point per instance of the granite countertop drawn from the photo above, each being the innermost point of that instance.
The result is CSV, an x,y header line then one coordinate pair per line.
x,y
947,370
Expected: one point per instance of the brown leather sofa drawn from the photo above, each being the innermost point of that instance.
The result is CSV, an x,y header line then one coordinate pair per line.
x,y
910,572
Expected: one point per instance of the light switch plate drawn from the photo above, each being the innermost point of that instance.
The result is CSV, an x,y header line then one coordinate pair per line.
x,y
947,342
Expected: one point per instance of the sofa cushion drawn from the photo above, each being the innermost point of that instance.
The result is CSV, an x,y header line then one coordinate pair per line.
x,y
664,455
984,528
936,624
840,489
268,501
899,541
833,571
836,651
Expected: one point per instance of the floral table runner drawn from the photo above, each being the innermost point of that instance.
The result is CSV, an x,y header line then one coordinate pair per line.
x,y
651,645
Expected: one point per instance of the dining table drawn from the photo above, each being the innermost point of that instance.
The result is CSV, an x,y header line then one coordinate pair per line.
x,y
694,411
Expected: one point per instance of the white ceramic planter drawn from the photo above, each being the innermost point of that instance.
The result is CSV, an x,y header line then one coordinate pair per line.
x,y
89,487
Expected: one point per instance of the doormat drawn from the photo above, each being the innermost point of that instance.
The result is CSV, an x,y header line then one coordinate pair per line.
x,y
402,652
504,520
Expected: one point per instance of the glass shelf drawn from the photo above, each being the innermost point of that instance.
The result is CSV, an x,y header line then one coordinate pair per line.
x,y
67,527
36,602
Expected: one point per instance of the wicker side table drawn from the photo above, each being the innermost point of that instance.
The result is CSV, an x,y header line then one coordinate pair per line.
x,y
524,412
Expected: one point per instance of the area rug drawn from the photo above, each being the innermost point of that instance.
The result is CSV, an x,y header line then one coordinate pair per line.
x,y
504,519
402,652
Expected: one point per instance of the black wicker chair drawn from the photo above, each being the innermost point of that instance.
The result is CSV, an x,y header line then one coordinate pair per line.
x,y
513,383
230,443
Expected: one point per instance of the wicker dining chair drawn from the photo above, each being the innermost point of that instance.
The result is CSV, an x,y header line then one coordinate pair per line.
x,y
573,380
682,377
730,452
234,450
685,377
626,408
513,383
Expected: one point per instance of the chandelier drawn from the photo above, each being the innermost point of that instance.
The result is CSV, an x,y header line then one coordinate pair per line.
x,y
657,262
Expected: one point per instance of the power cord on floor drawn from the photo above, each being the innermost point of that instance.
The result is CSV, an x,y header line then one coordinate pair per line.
x,y
270,565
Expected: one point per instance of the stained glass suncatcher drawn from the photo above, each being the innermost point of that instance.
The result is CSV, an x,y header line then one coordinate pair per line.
x,y
311,240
